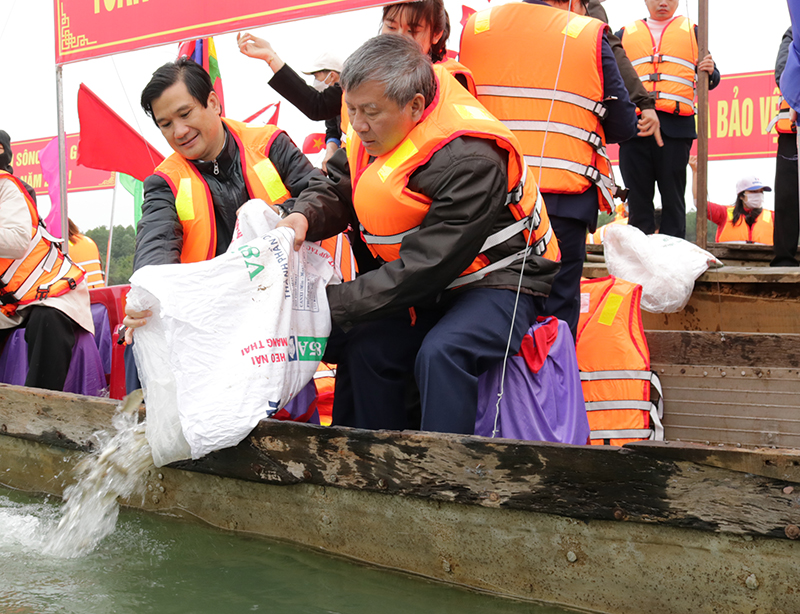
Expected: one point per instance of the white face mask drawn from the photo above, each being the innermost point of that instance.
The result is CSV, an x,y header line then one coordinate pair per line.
x,y
321,85
754,200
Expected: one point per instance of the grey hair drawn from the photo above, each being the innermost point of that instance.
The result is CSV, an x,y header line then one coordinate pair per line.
x,y
395,61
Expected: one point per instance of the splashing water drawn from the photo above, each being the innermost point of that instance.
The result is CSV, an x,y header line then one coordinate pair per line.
x,y
117,470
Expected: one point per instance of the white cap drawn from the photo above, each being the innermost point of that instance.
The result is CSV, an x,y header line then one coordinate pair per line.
x,y
326,61
751,184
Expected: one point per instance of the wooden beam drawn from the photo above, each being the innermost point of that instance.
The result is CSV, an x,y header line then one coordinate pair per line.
x,y
702,129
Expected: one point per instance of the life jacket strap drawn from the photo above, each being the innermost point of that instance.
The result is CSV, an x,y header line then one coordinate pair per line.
x,y
594,175
480,274
507,91
782,114
386,239
657,76
11,270
594,139
45,265
675,98
652,59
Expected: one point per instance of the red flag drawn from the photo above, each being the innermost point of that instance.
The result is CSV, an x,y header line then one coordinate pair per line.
x,y
107,142
272,120
466,13
314,143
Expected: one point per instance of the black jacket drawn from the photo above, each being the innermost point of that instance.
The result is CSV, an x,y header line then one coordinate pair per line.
x,y
467,182
159,236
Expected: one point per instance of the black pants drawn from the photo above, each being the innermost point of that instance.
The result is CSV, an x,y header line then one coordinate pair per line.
x,y
564,301
50,335
643,165
787,203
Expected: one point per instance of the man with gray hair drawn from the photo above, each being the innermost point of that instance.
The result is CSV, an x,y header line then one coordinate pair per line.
x,y
438,189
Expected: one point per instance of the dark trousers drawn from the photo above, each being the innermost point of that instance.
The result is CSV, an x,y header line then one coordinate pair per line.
x,y
564,301
643,165
445,350
50,335
787,203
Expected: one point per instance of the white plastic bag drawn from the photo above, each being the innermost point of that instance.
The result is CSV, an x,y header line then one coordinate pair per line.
x,y
232,339
666,267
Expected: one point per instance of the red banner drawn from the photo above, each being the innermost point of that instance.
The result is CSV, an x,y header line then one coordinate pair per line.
x,y
79,178
741,108
94,28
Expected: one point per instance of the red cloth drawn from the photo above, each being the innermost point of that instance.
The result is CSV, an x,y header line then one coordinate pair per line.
x,y
107,142
535,349
314,143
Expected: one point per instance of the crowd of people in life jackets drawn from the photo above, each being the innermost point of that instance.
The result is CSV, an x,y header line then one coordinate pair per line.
x,y
455,196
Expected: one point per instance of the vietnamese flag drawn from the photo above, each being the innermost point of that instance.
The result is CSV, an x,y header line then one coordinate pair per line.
x,y
314,143
466,13
107,142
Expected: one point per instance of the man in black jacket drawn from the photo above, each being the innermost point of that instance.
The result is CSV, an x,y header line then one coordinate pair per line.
x,y
418,315
183,104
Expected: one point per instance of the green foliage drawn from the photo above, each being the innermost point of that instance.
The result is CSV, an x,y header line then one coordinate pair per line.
x,y
122,247
604,218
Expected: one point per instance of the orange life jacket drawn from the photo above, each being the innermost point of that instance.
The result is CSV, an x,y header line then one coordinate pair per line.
x,y
388,210
598,236
195,206
560,130
670,71
760,232
614,361
83,252
44,271
782,121
325,383
457,69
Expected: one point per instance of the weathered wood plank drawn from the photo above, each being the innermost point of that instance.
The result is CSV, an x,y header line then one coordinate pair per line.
x,y
573,481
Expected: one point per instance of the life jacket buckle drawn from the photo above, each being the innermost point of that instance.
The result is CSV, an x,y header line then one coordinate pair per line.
x,y
42,293
592,173
600,110
72,283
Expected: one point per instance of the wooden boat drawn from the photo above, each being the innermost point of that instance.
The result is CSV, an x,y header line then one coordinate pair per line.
x,y
707,522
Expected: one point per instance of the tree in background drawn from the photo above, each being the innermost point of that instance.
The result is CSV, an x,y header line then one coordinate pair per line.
x,y
121,252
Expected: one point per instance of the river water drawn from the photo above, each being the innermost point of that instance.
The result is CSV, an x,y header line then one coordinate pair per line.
x,y
162,565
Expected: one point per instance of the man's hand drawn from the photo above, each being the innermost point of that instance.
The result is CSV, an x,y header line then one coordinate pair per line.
x,y
298,223
258,48
693,163
330,149
706,65
134,319
650,125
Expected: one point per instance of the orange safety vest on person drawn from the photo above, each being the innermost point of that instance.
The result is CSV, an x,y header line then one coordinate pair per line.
x,y
44,271
83,252
457,69
325,383
782,121
614,361
560,130
670,71
195,207
760,232
388,210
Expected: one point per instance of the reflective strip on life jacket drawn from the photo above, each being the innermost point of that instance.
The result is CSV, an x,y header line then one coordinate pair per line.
x,y
507,91
664,58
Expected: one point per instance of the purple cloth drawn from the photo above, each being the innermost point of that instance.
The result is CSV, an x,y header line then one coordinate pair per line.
x,y
298,407
102,335
543,406
85,375
790,79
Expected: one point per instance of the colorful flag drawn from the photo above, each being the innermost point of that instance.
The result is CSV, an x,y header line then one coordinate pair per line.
x,y
136,189
272,120
107,142
466,13
314,143
203,51
48,160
